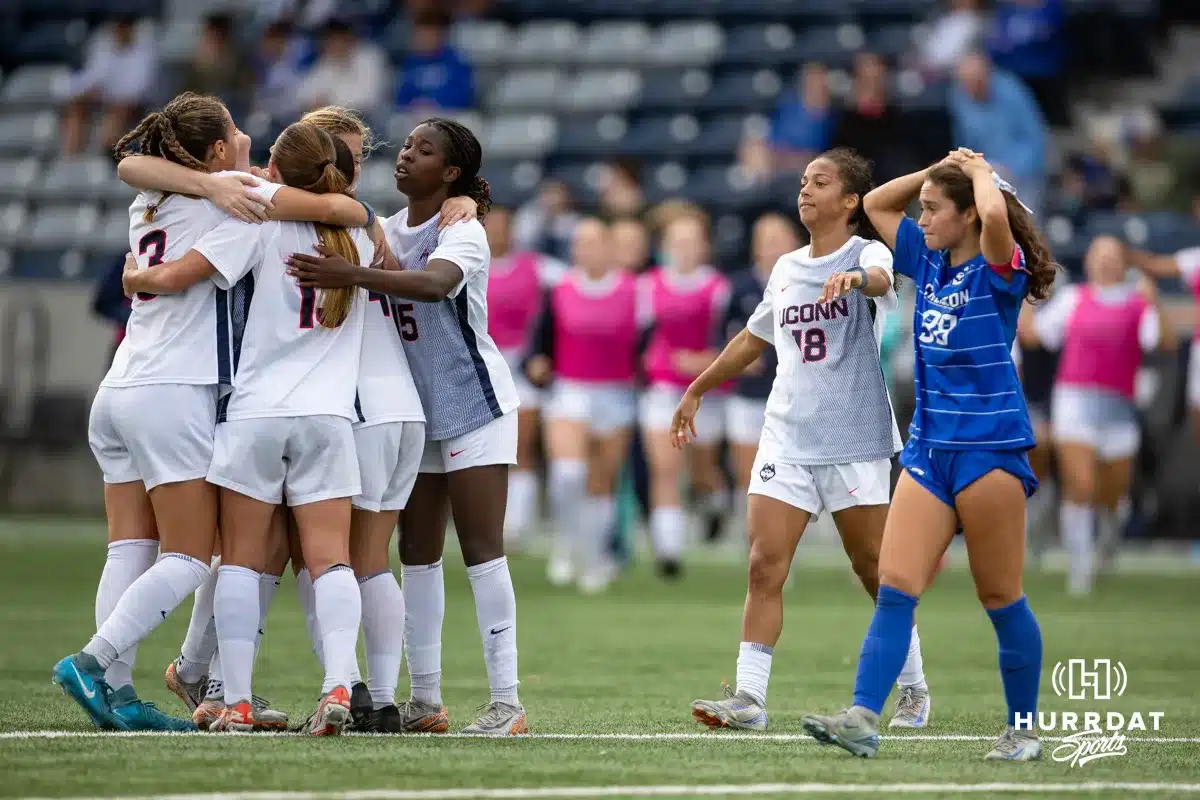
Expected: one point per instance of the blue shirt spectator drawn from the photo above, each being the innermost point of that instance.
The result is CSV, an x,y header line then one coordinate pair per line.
x,y
1027,37
994,113
434,74
804,127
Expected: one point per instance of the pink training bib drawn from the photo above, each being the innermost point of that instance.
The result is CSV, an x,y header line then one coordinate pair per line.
x,y
1101,349
596,333
514,299
685,318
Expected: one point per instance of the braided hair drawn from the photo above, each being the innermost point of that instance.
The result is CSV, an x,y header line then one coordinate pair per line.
x,y
182,132
464,151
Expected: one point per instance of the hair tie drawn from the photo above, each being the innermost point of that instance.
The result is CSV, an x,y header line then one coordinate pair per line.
x,y
1005,186
324,164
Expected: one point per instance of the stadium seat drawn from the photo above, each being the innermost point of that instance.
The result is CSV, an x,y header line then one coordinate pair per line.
x,y
891,42
761,45
62,226
177,39
523,135
112,235
50,43
669,90
28,133
618,44
512,183
35,86
377,182
592,136
13,218
78,178
743,91
602,90
528,88
581,177
688,44
546,42
484,42
17,176
834,47
48,263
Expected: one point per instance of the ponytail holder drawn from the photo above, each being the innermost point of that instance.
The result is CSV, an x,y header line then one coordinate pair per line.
x,y
329,161
1005,186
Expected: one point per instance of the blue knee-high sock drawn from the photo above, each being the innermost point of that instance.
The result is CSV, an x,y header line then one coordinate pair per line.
x,y
884,648
1020,641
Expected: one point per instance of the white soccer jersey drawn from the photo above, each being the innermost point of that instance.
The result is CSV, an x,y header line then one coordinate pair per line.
x,y
462,378
829,403
386,392
177,338
287,365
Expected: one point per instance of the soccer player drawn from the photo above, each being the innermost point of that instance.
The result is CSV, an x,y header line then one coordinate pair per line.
x,y
586,350
287,426
471,429
1184,265
745,410
822,310
173,360
975,254
686,301
1102,329
517,283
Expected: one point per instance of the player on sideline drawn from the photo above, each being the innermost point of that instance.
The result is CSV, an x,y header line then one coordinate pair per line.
x,y
471,425
288,426
517,283
975,254
823,310
586,350
173,361
746,409
1102,329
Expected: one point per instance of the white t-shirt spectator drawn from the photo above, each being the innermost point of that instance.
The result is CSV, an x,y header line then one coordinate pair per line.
x,y
114,73
361,81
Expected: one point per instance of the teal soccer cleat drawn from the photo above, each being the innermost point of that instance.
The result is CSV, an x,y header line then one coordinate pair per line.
x,y
81,678
139,715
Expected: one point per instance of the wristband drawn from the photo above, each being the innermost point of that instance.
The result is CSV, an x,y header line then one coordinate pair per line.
x,y
862,272
370,213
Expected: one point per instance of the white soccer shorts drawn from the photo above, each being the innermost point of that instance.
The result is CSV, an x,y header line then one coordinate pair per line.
x,y
658,404
531,397
494,443
831,488
605,407
158,433
1193,378
389,454
311,458
1099,420
744,419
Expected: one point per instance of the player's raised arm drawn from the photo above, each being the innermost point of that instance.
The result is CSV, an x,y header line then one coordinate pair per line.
x,y
233,193
885,205
742,351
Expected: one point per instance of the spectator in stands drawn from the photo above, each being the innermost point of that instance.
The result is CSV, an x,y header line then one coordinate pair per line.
x,y
1089,182
434,75
803,126
277,74
951,36
350,72
117,75
1027,39
621,190
871,124
217,67
308,15
110,303
993,113
1157,165
547,223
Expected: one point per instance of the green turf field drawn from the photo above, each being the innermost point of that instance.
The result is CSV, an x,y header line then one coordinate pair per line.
x,y
607,682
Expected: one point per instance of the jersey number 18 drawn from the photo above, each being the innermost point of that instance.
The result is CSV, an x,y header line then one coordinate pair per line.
x,y
811,342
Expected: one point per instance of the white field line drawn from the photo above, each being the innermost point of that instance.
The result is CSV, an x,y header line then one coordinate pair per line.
x,y
620,737
688,791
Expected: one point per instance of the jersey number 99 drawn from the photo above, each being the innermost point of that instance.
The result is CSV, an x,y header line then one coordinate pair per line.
x,y
154,243
936,326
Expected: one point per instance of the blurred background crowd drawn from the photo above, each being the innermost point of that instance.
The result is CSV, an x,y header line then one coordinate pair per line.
x,y
634,110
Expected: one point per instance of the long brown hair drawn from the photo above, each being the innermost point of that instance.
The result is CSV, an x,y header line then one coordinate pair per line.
x,y
182,132
1038,258
308,158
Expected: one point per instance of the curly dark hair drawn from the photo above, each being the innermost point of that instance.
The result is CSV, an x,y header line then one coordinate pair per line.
x,y
464,151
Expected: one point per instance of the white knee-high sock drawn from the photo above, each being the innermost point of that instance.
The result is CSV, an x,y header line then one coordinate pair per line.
x,y
145,604
668,533
200,642
424,609
236,608
124,564
596,527
754,670
339,613
913,672
496,612
522,502
383,634
568,489
1078,533
267,585
308,604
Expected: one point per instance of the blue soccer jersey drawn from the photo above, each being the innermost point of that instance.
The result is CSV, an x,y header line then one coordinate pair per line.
x,y
965,320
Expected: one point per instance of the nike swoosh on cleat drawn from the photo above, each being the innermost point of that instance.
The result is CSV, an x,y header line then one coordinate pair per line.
x,y
164,614
495,632
88,694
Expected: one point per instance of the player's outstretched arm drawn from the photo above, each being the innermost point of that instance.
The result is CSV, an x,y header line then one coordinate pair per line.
x,y
331,271
1159,267
170,277
230,193
298,205
742,351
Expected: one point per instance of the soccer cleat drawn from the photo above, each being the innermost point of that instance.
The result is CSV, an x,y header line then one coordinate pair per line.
x,y
81,679
207,713
1015,745
382,720
238,718
913,707
140,715
420,717
361,706
855,730
331,716
192,694
499,719
736,710
560,571
265,717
